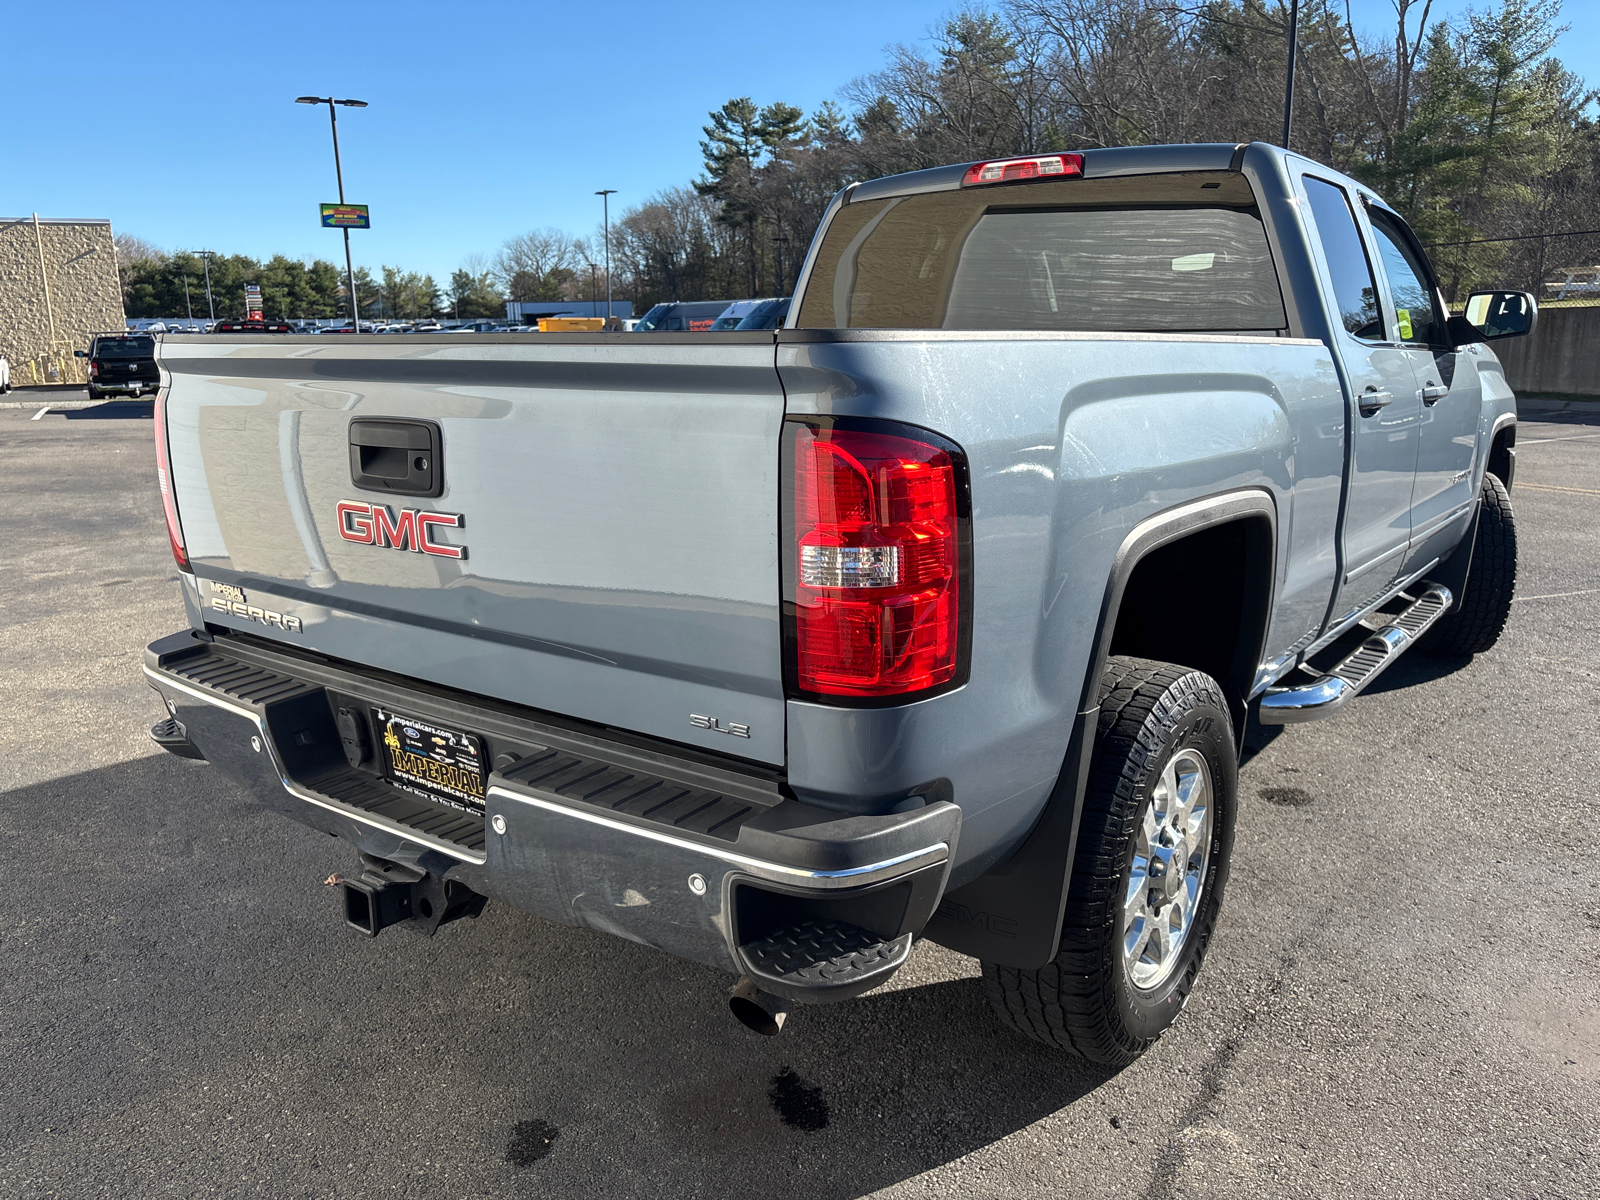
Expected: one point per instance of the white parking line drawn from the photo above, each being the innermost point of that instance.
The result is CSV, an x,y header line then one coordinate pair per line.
x,y
38,414
1557,595
1575,437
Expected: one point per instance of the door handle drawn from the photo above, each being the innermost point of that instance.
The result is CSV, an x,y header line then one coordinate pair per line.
x,y
1432,393
1374,399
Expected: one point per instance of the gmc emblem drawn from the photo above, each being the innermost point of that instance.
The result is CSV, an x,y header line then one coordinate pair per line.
x,y
376,525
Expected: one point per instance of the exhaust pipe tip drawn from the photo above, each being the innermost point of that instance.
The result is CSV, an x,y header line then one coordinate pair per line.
x,y
757,1010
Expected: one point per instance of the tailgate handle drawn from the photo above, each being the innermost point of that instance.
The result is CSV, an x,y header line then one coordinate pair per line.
x,y
389,454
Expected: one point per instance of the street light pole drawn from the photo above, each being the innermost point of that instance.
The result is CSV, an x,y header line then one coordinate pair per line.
x,y
186,302
338,170
205,257
605,199
1288,87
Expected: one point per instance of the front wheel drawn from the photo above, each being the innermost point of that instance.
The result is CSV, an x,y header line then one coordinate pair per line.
x,y
1153,849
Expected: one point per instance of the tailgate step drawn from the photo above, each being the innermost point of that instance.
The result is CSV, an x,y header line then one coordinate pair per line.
x,y
172,737
1326,694
822,954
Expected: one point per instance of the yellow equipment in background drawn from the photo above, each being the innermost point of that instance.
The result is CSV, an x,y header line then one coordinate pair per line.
x,y
571,324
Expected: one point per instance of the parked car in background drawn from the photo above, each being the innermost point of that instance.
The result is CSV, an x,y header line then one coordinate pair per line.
x,y
5,375
734,313
682,316
253,327
121,364
769,314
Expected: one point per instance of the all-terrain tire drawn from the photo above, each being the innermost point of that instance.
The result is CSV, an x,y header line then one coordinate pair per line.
x,y
1086,1001
1480,618
95,393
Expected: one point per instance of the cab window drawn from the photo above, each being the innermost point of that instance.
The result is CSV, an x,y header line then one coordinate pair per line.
x,y
1413,310
1354,288
1178,252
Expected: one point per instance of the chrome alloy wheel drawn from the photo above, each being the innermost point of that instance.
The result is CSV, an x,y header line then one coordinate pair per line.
x,y
1169,871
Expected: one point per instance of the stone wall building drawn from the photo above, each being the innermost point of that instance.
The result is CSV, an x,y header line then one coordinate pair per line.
x,y
58,287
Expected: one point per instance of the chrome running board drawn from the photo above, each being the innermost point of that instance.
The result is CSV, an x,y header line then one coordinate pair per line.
x,y
1327,694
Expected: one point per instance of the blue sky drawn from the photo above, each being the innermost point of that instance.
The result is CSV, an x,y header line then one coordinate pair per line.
x,y
485,120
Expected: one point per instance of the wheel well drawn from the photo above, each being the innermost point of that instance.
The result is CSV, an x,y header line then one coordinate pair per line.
x,y
1202,602
1503,454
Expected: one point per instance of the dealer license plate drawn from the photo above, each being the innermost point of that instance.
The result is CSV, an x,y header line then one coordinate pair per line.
x,y
438,763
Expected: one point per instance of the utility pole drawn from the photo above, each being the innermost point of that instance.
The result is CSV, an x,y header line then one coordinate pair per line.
x,y
205,257
338,170
1288,87
605,199
594,289
186,302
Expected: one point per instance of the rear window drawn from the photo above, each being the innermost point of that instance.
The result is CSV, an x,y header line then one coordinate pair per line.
x,y
128,347
1170,253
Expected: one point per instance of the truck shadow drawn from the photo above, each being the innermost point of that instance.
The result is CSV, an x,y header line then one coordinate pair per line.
x,y
1417,667
1413,669
113,410
178,954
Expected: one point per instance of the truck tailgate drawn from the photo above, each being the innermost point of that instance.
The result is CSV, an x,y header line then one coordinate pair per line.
x,y
617,501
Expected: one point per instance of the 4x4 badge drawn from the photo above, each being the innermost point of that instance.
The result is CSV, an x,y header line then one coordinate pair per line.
x,y
377,525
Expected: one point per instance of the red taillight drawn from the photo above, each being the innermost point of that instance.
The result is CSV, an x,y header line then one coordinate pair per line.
x,y
169,503
1006,170
875,572
94,369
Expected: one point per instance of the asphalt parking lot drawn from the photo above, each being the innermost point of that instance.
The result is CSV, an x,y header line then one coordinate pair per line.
x,y
1402,1000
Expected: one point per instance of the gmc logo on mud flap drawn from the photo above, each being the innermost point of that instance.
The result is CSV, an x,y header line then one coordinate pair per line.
x,y
377,525
960,914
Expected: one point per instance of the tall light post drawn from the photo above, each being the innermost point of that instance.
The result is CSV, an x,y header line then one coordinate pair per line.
x,y
1288,86
333,122
605,195
186,302
205,257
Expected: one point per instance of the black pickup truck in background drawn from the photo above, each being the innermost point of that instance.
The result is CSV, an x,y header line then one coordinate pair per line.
x,y
121,364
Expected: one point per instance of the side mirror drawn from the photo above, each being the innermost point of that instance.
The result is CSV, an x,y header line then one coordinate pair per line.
x,y
1493,315
80,354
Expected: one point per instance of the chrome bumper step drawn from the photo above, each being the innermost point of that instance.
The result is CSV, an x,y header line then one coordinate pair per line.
x,y
1328,693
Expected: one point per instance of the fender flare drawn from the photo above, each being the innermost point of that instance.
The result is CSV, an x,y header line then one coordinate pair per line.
x,y
1012,915
1502,422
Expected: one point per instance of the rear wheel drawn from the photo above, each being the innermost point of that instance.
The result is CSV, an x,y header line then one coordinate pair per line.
x,y
1153,850
1480,618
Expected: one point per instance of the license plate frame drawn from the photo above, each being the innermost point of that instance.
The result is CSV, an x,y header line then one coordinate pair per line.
x,y
432,761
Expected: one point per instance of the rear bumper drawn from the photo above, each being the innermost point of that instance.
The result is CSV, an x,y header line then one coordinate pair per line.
x,y
700,858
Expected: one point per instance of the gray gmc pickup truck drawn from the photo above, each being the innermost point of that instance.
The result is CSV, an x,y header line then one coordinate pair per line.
x,y
943,611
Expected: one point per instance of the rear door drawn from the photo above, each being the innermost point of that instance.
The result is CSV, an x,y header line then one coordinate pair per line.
x,y
1450,391
613,499
1384,409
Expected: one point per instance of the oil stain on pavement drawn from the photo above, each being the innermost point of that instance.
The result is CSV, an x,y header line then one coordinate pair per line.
x,y
530,1141
799,1105
1286,797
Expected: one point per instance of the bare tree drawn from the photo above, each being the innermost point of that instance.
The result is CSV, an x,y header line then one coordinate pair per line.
x,y
531,259
132,249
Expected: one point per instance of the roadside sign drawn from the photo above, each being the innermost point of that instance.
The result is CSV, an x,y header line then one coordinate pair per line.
x,y
252,302
345,216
